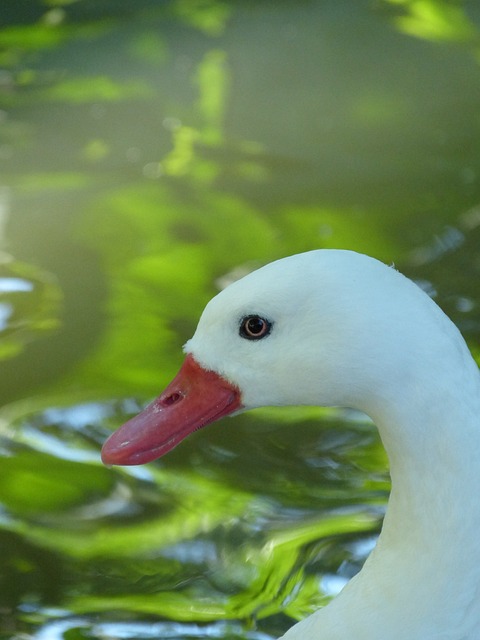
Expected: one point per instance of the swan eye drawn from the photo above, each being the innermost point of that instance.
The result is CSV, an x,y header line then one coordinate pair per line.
x,y
254,327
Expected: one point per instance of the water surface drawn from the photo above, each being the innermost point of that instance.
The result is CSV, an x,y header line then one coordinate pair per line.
x,y
150,152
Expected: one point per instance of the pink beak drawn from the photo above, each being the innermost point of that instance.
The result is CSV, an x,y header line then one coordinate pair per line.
x,y
195,397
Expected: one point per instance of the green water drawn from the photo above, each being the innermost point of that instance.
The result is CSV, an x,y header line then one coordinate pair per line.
x,y
149,152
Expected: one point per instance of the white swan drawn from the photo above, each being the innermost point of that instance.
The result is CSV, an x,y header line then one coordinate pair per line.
x,y
338,328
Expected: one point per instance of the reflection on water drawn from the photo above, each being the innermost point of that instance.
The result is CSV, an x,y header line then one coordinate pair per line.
x,y
152,152
146,631
222,530
29,305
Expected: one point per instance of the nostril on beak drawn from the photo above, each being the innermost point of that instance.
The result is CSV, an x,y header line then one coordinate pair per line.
x,y
173,398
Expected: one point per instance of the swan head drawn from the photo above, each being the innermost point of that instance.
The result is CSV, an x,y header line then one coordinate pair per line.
x,y
327,327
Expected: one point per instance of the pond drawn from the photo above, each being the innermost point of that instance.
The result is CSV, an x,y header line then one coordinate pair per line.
x,y
150,152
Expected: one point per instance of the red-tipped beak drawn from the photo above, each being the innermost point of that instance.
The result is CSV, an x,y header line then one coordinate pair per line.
x,y
193,399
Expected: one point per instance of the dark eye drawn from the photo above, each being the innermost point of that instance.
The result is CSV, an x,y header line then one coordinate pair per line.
x,y
254,327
